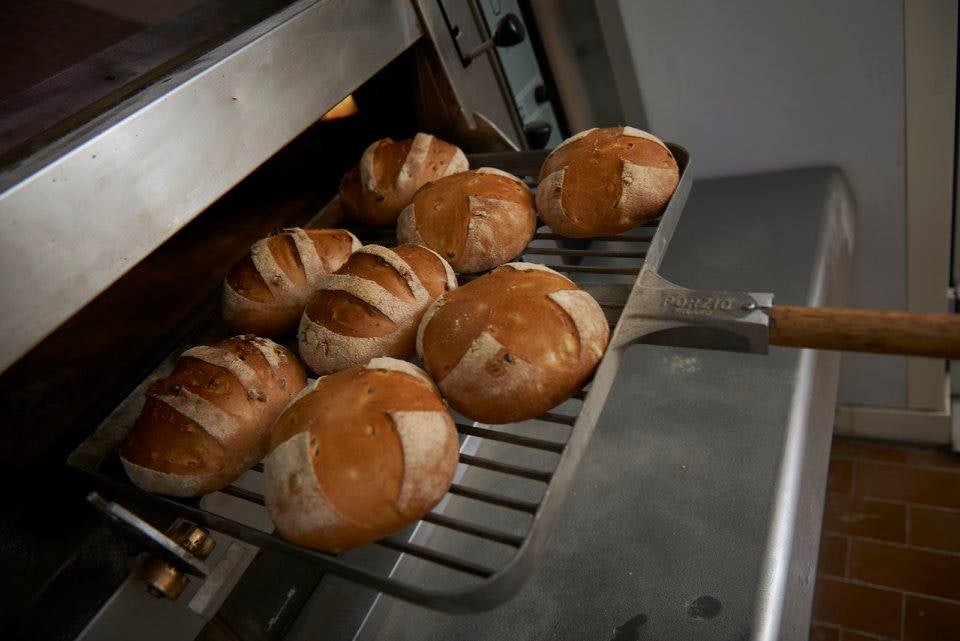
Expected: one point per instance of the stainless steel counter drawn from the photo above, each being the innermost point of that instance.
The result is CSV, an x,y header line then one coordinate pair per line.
x,y
696,511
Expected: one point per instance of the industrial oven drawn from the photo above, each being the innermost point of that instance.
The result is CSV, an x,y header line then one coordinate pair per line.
x,y
690,506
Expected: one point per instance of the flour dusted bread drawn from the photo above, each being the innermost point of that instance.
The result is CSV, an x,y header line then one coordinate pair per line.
x,y
475,219
389,173
265,292
513,343
604,181
203,425
362,453
371,306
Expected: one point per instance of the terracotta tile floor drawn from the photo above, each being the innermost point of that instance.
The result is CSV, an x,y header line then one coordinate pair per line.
x,y
889,563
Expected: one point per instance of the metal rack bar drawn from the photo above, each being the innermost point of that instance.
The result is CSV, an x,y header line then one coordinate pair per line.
x,y
246,495
440,558
504,579
506,468
463,526
552,417
611,304
632,238
494,499
438,519
583,269
472,528
549,251
513,439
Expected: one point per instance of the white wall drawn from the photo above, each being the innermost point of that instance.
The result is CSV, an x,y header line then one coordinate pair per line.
x,y
757,85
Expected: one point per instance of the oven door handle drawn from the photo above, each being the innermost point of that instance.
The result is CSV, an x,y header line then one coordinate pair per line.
x,y
866,330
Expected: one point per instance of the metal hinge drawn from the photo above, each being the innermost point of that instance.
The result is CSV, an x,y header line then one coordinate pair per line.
x,y
170,557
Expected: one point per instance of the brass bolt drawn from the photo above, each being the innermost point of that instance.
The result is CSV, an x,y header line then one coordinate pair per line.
x,y
164,581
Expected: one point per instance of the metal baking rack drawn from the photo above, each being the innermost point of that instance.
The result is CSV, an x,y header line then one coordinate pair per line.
x,y
481,542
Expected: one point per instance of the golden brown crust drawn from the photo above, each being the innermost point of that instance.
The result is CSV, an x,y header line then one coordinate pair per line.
x,y
430,268
371,306
510,345
605,181
389,173
346,314
265,292
207,421
364,453
476,219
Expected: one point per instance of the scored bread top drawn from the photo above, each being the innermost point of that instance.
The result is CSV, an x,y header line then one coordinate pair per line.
x,y
475,219
513,343
264,293
371,306
489,305
211,416
389,173
363,453
284,268
604,181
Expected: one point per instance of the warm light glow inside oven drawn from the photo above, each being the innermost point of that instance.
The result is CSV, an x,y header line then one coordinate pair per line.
x,y
344,108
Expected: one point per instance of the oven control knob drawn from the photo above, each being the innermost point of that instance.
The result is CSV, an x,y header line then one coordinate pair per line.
x,y
537,133
509,31
541,94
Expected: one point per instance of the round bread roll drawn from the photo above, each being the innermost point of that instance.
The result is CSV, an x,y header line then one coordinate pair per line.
x,y
390,173
475,219
360,454
371,306
265,292
604,181
207,422
512,344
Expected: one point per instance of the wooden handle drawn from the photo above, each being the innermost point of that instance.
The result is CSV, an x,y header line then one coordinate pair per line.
x,y
862,330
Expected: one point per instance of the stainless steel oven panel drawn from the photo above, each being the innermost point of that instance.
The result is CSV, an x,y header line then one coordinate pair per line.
x,y
478,93
78,214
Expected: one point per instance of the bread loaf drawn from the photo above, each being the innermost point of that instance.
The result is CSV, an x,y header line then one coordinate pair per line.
x,y
362,453
371,306
513,343
207,422
475,219
389,173
265,292
604,181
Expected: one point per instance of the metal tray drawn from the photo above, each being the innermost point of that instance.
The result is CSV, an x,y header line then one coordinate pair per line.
x,y
511,480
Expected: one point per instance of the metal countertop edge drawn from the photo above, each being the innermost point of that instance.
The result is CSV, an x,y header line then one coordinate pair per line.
x,y
791,552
